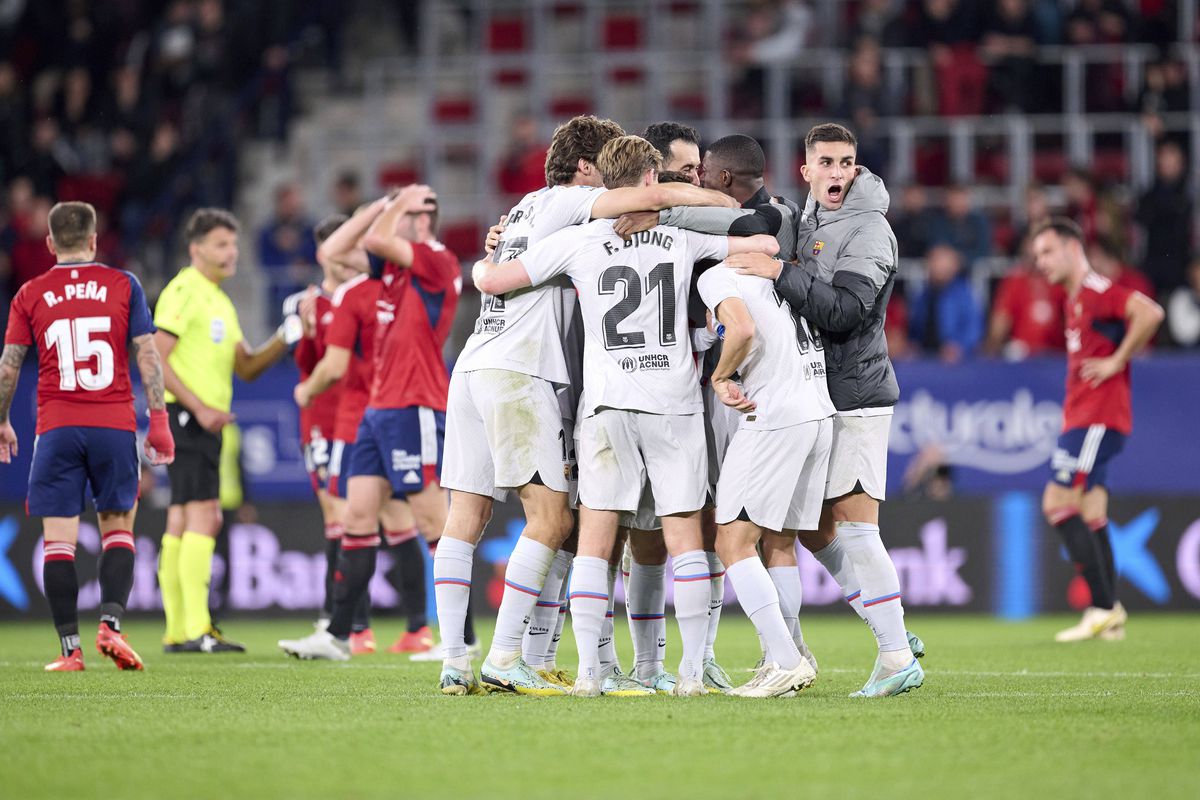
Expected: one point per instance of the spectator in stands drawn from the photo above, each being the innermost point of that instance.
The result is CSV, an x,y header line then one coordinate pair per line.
x,y
1009,43
30,256
523,165
1106,258
1183,309
945,319
948,30
1165,216
1101,22
1164,91
1083,205
1027,314
347,193
1034,212
865,100
14,123
285,247
914,222
964,227
882,21
767,31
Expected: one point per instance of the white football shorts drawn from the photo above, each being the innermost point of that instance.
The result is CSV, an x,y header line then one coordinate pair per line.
x,y
777,477
502,428
619,451
859,456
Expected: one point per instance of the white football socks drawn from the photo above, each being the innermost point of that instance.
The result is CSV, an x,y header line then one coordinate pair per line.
x,y
692,592
589,601
756,592
716,599
452,588
523,578
608,649
552,650
791,594
880,586
646,605
544,617
833,557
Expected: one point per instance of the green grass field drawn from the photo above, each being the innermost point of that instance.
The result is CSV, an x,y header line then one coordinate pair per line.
x,y
1004,712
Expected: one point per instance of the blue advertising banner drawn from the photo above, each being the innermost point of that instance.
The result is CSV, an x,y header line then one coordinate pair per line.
x,y
994,423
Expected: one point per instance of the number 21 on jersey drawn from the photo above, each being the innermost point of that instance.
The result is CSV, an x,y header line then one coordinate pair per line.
x,y
73,342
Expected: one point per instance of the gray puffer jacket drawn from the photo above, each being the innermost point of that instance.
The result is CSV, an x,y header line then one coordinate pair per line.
x,y
841,284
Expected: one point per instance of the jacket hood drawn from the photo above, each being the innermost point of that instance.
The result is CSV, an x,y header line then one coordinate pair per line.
x,y
867,194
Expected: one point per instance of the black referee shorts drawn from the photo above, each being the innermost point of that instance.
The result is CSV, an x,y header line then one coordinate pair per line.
x,y
195,474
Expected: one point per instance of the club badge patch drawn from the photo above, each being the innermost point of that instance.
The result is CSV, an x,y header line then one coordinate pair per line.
x,y
818,247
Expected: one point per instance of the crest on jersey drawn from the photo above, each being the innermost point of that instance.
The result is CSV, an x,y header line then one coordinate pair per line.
x,y
216,331
818,246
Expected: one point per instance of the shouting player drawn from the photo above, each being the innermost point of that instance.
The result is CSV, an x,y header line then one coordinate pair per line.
x,y
641,413
505,428
1106,325
201,346
842,284
85,319
398,450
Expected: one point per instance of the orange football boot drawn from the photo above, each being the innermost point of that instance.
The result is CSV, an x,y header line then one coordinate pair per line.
x,y
420,641
71,663
113,645
362,642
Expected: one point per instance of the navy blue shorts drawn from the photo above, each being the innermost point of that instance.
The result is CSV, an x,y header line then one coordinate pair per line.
x,y
403,445
67,461
1082,456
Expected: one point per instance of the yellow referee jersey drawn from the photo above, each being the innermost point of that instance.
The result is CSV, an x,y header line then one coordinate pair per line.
x,y
202,317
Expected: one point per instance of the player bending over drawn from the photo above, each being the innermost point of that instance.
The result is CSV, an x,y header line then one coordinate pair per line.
x,y
641,413
85,319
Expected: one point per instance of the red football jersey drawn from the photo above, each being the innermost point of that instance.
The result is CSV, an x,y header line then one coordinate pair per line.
x,y
353,328
1035,307
80,317
1095,327
318,419
415,312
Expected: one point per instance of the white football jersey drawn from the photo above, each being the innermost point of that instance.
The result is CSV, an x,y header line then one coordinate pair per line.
x,y
784,372
633,298
523,331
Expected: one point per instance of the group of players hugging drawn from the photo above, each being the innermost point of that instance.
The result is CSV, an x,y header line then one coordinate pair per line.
x,y
668,363
649,381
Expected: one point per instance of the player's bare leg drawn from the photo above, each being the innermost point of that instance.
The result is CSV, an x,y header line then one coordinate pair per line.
x,y
715,676
779,556
116,581
645,604
1081,520
61,585
588,593
548,523
784,671
685,544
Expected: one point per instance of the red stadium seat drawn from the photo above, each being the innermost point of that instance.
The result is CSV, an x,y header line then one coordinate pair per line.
x,y
464,238
570,106
622,33
454,109
506,35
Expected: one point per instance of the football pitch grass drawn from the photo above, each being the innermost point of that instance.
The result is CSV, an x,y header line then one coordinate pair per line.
x,y
1005,712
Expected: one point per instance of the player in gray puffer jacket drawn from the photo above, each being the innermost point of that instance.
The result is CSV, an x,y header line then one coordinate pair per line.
x,y
841,283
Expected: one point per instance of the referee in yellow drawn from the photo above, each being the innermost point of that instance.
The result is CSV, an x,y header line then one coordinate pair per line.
x,y
202,347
